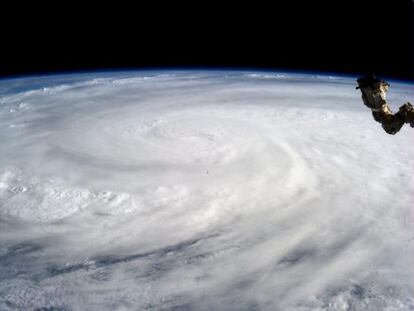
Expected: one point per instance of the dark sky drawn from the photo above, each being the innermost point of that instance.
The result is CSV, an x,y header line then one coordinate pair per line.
x,y
334,36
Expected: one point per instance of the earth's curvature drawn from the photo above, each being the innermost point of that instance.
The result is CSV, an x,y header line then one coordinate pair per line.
x,y
202,190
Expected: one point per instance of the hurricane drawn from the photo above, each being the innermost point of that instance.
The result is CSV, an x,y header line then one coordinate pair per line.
x,y
202,190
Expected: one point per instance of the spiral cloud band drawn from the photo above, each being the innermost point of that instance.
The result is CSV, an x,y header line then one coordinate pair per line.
x,y
194,190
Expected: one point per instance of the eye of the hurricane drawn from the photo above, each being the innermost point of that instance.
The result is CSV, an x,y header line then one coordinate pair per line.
x,y
189,140
192,139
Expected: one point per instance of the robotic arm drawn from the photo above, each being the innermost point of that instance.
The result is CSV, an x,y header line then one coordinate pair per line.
x,y
374,93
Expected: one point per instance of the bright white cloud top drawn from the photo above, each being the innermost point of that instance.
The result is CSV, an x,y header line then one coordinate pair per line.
x,y
202,191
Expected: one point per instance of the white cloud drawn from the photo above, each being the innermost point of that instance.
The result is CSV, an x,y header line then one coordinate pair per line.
x,y
203,191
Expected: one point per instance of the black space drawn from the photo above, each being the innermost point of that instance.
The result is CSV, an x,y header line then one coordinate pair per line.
x,y
354,37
